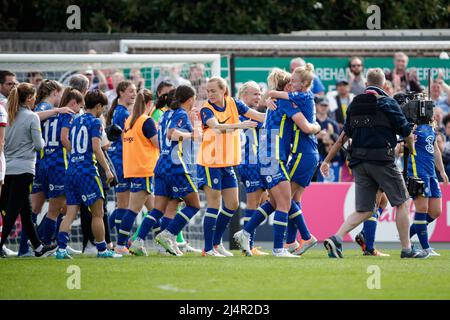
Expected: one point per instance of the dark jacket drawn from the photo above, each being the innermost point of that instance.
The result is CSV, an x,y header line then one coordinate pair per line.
x,y
378,137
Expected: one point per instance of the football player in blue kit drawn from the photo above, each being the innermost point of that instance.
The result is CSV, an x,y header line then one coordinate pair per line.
x,y
117,115
47,101
305,156
173,179
250,94
275,147
423,165
82,183
53,166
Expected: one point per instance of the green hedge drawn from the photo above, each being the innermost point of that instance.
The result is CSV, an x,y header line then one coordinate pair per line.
x,y
220,16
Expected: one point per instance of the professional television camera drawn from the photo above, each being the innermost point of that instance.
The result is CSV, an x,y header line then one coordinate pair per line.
x,y
417,110
415,107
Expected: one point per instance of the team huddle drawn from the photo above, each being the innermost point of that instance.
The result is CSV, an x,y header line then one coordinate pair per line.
x,y
159,158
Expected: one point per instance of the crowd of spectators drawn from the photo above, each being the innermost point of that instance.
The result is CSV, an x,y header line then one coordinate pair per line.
x,y
331,106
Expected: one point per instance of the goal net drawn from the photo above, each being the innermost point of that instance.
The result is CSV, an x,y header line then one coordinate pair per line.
x,y
104,72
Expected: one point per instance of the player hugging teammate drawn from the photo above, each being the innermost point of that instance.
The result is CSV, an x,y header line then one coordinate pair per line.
x,y
154,164
278,139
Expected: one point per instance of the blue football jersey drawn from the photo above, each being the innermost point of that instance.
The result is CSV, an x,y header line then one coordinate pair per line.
x,y
175,156
301,142
82,157
249,143
120,114
422,164
275,137
43,106
55,153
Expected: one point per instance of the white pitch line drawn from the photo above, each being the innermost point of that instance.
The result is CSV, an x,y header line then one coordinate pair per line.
x,y
170,287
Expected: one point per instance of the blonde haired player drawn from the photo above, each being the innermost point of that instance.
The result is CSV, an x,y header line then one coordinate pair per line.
x,y
219,153
305,156
274,153
250,94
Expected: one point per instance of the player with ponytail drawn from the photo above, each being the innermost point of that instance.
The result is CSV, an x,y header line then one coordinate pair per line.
x,y
140,153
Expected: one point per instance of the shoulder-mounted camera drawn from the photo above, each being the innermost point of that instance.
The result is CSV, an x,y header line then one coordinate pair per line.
x,y
113,132
415,107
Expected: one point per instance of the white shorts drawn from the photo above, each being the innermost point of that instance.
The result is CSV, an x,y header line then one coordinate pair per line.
x,y
2,168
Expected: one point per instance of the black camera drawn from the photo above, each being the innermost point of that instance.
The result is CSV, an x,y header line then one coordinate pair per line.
x,y
415,107
113,132
416,187
102,172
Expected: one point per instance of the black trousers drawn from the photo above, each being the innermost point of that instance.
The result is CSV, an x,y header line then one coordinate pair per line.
x,y
15,200
86,222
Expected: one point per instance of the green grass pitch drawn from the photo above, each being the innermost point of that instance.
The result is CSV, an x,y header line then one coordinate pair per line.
x,y
314,276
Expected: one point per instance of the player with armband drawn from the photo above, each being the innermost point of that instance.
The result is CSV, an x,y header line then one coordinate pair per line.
x,y
82,184
173,178
423,165
140,153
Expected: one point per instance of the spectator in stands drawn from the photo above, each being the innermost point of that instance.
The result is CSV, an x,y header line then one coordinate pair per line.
x,y
7,83
79,82
117,78
326,138
440,93
356,78
35,78
198,80
317,86
330,129
108,73
137,78
389,88
173,76
339,101
438,116
403,80
96,79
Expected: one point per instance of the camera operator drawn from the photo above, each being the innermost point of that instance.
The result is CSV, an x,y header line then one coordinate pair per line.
x,y
372,122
